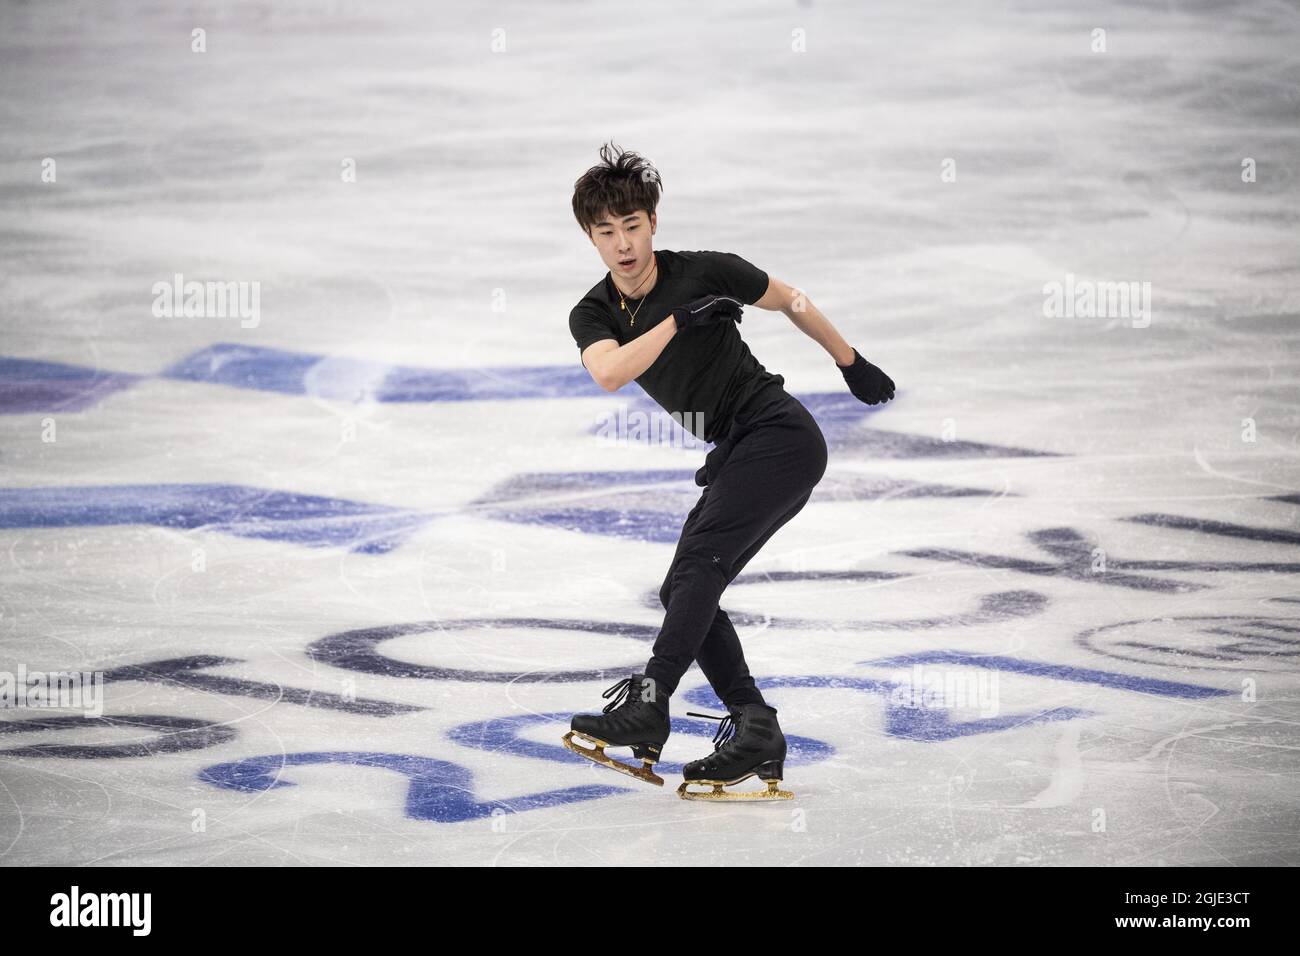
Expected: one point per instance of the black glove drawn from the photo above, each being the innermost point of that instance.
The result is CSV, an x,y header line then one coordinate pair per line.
x,y
707,310
867,382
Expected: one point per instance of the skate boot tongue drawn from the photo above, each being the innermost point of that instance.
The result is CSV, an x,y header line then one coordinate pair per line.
x,y
630,690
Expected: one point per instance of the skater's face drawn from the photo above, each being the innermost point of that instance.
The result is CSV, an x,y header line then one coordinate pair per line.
x,y
625,244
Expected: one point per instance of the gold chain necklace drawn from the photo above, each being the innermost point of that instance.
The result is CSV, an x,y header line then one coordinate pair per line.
x,y
622,302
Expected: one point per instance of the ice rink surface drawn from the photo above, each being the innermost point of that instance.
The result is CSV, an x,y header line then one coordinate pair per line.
x,y
348,569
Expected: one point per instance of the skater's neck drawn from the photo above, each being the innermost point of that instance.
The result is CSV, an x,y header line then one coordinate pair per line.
x,y
638,287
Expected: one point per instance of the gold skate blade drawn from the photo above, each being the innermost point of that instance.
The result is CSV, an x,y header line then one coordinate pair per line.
x,y
773,791
599,756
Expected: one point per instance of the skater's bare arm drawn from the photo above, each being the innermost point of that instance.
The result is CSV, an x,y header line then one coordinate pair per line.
x,y
800,310
613,366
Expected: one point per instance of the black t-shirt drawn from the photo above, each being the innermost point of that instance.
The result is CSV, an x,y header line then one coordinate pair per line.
x,y
704,375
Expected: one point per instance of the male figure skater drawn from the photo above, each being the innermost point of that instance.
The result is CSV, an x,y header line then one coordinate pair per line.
x,y
668,320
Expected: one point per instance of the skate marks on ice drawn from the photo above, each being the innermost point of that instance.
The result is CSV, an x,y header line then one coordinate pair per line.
x,y
438,791
906,718
1220,642
441,791
367,528
359,649
186,672
586,502
28,386
345,379
1071,556
1227,529
597,502
1074,555
432,781
992,608
169,735
35,386
840,416
308,520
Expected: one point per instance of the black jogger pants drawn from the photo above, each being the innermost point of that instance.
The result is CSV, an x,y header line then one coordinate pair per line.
x,y
756,478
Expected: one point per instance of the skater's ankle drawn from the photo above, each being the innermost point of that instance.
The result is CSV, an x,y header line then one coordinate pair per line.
x,y
656,690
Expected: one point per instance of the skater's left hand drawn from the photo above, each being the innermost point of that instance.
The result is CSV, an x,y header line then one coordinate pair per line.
x,y
867,382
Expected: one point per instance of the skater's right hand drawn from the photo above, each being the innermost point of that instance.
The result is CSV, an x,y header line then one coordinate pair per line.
x,y
867,382
707,310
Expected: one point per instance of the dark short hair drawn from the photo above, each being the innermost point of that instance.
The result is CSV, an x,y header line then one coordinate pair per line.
x,y
623,183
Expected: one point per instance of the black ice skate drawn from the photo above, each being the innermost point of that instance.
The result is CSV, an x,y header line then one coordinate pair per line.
x,y
636,718
749,743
